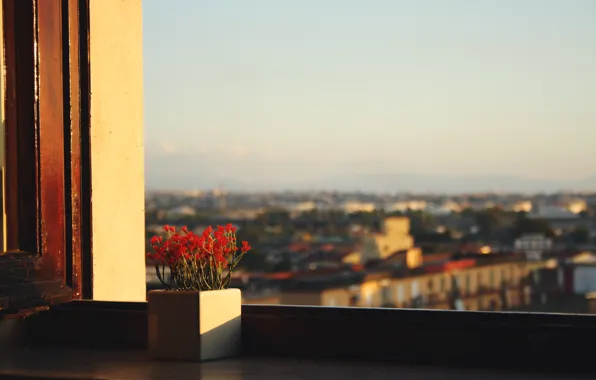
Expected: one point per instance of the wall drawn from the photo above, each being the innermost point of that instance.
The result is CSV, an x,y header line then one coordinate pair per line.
x,y
396,226
584,279
395,237
414,257
117,174
352,258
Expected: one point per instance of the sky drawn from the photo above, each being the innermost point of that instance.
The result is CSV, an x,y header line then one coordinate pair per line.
x,y
312,93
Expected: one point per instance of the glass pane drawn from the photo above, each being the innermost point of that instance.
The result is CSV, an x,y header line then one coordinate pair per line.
x,y
398,154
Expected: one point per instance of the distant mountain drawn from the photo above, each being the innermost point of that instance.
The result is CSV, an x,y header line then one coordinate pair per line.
x,y
456,184
190,172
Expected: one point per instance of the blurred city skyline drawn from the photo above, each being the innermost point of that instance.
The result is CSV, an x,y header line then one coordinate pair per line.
x,y
379,95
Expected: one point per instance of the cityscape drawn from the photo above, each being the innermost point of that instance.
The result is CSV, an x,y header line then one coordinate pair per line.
x,y
434,155
453,252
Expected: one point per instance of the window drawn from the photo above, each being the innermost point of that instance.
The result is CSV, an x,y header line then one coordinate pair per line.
x,y
401,294
368,298
504,275
414,288
42,154
468,283
386,294
272,121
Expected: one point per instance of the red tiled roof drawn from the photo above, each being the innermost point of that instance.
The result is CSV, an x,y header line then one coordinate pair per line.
x,y
449,266
436,257
297,247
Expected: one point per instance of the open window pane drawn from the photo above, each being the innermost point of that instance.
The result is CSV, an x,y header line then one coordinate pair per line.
x,y
18,119
35,210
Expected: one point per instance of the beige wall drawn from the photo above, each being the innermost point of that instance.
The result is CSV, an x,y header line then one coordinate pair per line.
x,y
352,258
389,244
414,257
396,225
117,176
395,237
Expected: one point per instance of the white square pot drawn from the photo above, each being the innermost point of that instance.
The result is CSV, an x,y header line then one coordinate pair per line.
x,y
193,325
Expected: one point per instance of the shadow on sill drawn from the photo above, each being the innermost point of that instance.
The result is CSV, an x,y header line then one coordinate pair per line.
x,y
134,365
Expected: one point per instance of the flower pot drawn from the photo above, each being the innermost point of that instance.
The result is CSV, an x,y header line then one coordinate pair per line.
x,y
193,325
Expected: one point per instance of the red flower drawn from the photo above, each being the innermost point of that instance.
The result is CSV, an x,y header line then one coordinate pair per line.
x,y
199,258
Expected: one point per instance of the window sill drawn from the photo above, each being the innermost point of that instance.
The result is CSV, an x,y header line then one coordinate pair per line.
x,y
536,342
134,365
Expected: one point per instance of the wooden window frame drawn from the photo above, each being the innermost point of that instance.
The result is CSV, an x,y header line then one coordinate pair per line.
x,y
47,141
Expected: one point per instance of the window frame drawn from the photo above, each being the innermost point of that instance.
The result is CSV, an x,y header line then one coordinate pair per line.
x,y
43,55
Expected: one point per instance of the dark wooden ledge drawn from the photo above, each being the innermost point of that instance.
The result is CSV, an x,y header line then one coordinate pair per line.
x,y
535,342
135,365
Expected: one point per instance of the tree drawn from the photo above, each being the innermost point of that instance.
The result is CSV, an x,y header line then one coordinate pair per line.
x,y
580,235
254,261
251,233
489,221
420,222
365,218
152,217
285,265
274,217
524,225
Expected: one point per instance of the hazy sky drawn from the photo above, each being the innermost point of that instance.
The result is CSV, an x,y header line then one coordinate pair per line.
x,y
304,90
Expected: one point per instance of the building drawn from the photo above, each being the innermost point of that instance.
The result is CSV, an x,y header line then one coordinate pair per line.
x,y
549,212
354,206
394,238
522,206
486,286
404,206
577,206
577,275
534,246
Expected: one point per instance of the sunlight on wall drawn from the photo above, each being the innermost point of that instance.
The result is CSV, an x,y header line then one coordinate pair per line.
x,y
117,178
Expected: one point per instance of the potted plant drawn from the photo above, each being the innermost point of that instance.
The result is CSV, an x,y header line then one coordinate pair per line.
x,y
196,317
